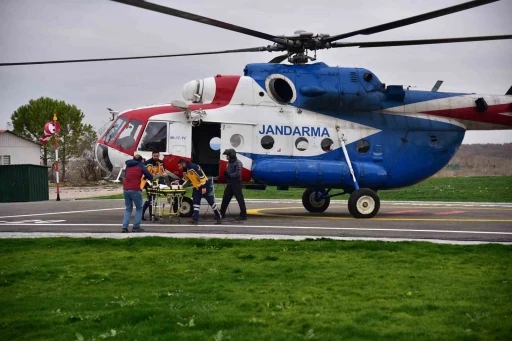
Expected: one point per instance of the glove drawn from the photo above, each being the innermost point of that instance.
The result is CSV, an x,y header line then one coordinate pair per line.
x,y
226,175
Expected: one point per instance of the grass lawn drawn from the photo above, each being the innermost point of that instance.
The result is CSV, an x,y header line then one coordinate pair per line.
x,y
478,189
184,289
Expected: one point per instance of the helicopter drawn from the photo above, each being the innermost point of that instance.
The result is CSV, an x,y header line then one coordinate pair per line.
x,y
330,130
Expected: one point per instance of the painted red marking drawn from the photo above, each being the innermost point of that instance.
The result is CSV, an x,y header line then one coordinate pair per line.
x,y
449,212
491,115
404,211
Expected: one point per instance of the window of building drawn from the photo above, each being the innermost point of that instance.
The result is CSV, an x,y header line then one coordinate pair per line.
x,y
301,143
127,138
326,144
267,142
112,132
154,138
5,160
363,146
236,140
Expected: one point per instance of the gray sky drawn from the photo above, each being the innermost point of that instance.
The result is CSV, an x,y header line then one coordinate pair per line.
x,y
33,30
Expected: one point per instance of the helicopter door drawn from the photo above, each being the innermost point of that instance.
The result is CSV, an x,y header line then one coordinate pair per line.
x,y
240,138
179,137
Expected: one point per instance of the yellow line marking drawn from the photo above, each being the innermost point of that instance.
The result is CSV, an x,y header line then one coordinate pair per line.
x,y
257,211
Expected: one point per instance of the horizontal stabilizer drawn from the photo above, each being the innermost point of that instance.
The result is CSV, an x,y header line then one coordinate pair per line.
x,y
509,92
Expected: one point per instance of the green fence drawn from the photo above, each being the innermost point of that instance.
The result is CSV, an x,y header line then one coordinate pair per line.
x,y
22,183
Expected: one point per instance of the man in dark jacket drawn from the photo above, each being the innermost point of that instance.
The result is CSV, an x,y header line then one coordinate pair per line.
x,y
133,193
233,175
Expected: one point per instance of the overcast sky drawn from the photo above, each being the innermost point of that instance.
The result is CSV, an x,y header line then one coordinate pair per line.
x,y
33,30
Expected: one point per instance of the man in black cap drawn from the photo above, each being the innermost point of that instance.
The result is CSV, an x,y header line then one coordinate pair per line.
x,y
233,175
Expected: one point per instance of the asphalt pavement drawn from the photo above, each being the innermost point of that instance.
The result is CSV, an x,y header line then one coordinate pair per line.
x,y
443,222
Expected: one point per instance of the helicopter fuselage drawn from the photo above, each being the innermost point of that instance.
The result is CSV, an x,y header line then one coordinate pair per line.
x,y
307,126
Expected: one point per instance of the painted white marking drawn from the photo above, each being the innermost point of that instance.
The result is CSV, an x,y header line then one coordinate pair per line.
x,y
15,235
338,202
285,227
67,212
36,221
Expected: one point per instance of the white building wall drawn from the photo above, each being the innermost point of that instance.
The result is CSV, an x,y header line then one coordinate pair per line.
x,y
20,150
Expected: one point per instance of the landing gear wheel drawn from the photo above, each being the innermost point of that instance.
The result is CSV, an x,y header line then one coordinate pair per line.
x,y
187,207
311,204
363,203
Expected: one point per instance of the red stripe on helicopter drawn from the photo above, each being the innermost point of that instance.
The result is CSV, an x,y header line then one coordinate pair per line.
x,y
225,89
493,114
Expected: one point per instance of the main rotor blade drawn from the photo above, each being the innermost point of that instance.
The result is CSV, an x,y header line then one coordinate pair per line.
x,y
419,41
412,20
252,49
200,19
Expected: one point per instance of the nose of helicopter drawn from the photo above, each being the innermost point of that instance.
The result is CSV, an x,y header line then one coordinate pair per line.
x,y
102,158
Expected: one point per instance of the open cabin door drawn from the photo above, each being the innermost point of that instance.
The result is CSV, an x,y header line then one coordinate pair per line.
x,y
180,139
237,136
179,145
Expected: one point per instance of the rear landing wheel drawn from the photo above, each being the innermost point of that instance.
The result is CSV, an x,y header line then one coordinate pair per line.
x,y
310,202
363,203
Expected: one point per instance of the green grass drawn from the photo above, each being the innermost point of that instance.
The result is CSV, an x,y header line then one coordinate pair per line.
x,y
184,289
478,189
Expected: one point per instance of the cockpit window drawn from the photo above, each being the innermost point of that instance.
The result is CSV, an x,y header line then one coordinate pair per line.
x,y
127,138
154,138
112,132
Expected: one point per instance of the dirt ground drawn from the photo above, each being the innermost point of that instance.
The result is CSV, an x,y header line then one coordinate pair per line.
x,y
71,193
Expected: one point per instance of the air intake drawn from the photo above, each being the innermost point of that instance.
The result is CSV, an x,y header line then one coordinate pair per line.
x,y
353,77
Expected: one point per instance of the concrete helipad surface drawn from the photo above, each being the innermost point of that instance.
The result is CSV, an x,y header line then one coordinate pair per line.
x,y
448,222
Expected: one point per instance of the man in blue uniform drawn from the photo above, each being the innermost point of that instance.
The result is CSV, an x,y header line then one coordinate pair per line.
x,y
233,175
194,175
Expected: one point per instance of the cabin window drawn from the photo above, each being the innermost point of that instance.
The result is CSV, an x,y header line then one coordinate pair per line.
x,y
301,143
129,135
363,146
154,138
326,144
267,142
215,143
112,132
236,140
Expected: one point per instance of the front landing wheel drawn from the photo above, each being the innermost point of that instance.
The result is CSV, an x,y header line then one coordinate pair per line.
x,y
363,203
310,202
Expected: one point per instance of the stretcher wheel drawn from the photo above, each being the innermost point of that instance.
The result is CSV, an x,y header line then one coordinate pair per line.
x,y
187,207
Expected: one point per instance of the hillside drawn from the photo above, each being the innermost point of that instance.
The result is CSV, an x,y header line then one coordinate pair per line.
x,y
480,160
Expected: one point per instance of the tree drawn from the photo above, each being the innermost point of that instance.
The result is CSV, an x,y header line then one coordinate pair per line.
x,y
29,120
89,169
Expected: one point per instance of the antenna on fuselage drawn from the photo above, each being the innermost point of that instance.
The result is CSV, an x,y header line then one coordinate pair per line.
x,y
437,86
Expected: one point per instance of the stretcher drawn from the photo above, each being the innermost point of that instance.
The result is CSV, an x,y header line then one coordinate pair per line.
x,y
167,201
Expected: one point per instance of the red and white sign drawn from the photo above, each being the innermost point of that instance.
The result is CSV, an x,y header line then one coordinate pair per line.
x,y
51,128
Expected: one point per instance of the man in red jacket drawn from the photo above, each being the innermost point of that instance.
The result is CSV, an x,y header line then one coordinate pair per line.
x,y
132,192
